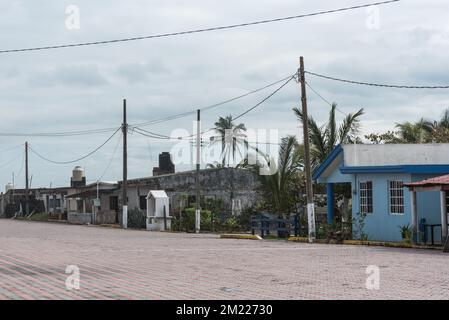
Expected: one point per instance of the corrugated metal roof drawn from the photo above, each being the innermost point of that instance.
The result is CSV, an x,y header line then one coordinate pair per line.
x,y
437,181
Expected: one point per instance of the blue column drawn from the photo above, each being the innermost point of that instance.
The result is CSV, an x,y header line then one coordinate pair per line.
x,y
330,203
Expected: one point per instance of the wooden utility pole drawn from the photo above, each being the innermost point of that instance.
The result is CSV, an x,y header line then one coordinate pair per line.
x,y
307,166
125,170
198,162
27,188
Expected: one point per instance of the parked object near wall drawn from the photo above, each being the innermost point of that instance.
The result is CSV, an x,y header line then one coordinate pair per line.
x,y
158,214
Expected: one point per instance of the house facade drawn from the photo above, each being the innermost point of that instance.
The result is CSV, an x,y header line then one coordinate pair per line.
x,y
378,175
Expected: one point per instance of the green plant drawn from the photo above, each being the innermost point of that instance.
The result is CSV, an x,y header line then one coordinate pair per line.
x,y
406,233
136,219
323,139
231,224
188,221
359,224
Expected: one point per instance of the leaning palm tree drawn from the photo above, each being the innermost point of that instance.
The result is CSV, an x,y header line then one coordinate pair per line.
x,y
324,139
278,185
232,137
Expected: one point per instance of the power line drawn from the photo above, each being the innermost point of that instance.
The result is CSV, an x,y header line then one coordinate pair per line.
x,y
265,99
57,134
184,114
179,33
376,84
165,137
324,99
112,158
143,124
11,161
79,159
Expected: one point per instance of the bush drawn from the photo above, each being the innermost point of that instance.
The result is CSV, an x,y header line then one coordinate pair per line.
x,y
137,219
187,220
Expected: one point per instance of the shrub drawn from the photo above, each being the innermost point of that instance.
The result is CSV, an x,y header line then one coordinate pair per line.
x,y
406,233
137,219
188,220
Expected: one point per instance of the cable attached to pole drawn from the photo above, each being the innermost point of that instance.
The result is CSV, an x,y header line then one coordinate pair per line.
x,y
76,160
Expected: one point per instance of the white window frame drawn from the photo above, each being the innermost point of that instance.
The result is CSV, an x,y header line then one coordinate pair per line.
x,y
366,196
396,195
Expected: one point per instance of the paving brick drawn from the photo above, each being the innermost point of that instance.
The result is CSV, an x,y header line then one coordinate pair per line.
x,y
127,264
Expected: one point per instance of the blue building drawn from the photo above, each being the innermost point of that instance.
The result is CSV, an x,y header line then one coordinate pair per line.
x,y
379,175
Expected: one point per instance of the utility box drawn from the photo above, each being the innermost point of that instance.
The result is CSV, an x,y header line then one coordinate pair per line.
x,y
158,213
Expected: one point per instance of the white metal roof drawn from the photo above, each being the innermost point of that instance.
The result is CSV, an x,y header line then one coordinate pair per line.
x,y
157,194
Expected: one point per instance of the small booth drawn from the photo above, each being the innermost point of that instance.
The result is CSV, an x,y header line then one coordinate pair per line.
x,y
158,214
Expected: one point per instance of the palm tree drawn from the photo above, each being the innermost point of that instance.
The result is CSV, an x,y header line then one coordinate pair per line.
x,y
232,137
280,185
324,139
414,132
438,131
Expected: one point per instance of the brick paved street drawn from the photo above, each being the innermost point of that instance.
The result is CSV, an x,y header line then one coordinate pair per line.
x,y
125,264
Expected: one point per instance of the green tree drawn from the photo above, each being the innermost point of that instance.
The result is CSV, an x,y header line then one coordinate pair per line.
x,y
417,132
232,137
280,187
325,138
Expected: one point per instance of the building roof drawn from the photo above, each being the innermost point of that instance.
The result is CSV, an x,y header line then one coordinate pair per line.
x,y
432,182
386,158
157,194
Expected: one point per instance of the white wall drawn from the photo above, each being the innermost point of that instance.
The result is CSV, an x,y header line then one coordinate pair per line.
x,y
395,154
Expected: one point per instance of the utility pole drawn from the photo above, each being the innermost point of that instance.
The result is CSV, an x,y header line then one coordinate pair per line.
x,y
307,167
27,189
125,169
198,162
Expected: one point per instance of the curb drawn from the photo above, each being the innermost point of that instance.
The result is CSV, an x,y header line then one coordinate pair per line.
x,y
365,243
240,236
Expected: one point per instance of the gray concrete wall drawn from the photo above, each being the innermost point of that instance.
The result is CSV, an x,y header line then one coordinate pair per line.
x,y
231,185
79,218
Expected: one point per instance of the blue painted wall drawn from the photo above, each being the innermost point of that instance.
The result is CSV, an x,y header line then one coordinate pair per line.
x,y
428,205
381,224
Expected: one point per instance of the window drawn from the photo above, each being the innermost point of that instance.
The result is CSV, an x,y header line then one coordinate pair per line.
x,y
396,193
143,202
366,197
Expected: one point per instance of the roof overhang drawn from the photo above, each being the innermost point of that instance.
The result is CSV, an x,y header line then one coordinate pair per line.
x,y
326,163
412,169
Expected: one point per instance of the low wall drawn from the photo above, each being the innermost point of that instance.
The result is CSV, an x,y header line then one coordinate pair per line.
x,y
105,217
79,218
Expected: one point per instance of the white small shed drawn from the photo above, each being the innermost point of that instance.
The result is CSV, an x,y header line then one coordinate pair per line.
x,y
158,213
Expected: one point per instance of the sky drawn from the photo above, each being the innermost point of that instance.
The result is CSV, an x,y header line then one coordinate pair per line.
x,y
82,88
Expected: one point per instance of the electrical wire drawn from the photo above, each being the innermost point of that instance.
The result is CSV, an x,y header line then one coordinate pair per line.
x,y
76,160
376,84
153,135
324,99
11,161
265,99
57,134
185,114
179,33
112,158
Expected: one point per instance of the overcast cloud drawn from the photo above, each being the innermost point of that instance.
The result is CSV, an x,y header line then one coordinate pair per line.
x,y
82,88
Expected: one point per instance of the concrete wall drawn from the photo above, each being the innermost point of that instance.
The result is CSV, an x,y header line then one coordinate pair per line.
x,y
228,184
79,218
381,224
395,154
